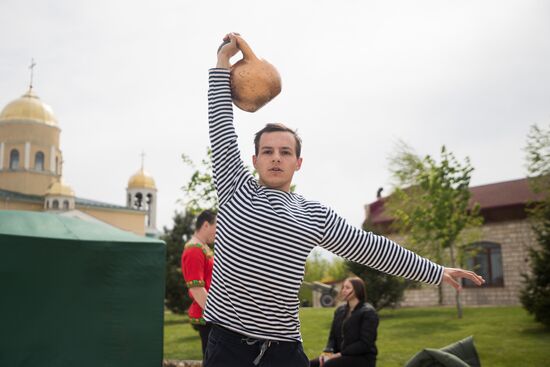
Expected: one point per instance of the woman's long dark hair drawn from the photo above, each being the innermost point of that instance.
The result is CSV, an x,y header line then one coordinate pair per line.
x,y
358,288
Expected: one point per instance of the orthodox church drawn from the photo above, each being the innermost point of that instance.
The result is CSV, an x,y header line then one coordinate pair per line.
x,y
31,173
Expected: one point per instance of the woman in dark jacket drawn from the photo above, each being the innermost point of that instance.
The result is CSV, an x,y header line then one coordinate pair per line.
x,y
352,339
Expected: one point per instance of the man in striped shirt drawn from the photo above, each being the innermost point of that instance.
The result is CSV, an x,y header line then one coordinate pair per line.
x,y
264,235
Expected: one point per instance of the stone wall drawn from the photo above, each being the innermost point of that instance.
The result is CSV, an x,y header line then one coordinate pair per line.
x,y
515,237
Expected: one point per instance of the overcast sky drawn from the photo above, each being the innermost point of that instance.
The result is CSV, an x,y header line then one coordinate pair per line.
x,y
127,76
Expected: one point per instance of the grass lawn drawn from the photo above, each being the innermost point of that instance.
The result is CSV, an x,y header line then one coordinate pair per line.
x,y
504,336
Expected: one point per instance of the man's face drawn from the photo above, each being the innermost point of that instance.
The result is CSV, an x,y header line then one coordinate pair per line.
x,y
210,230
276,161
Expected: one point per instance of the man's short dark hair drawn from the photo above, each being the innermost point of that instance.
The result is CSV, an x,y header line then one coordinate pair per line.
x,y
206,216
270,128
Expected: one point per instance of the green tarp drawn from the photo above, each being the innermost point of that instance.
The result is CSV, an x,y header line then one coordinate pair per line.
x,y
76,293
462,353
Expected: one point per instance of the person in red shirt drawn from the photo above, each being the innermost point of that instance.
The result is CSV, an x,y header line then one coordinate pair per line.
x,y
197,261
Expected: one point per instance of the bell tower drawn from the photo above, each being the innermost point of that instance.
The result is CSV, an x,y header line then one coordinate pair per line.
x,y
141,194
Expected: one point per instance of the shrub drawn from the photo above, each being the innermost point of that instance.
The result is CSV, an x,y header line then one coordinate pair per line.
x,y
176,297
383,290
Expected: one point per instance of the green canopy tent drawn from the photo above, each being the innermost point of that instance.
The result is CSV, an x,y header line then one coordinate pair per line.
x,y
77,293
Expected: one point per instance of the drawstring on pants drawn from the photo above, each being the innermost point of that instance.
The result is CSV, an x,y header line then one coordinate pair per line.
x,y
265,344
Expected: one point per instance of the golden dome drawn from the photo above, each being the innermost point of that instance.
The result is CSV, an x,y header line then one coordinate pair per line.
x,y
59,188
29,107
141,180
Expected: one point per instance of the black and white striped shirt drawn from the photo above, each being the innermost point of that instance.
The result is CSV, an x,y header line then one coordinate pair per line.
x,y
265,235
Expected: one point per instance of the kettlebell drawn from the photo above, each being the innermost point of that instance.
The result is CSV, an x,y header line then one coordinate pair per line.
x,y
254,81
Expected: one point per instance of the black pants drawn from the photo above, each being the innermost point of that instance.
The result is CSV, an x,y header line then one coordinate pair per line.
x,y
229,349
204,331
347,361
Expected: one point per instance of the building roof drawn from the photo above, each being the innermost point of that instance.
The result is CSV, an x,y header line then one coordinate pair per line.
x,y
60,188
489,197
500,194
28,108
11,195
20,223
141,180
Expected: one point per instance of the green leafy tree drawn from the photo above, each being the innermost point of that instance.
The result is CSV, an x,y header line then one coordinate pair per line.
x,y
316,266
431,208
383,290
200,194
321,269
337,270
176,297
535,295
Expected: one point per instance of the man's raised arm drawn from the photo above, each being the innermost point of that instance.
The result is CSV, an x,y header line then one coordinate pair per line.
x,y
228,166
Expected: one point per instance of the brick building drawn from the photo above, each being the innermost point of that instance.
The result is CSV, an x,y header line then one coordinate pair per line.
x,y
503,244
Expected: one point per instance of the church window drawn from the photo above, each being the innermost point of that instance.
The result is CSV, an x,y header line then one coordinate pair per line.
x,y
55,204
14,159
149,203
39,161
138,200
486,260
65,204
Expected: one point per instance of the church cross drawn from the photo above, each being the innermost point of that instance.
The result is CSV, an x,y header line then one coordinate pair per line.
x,y
31,67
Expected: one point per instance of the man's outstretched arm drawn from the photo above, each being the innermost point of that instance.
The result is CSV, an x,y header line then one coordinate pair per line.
x,y
383,254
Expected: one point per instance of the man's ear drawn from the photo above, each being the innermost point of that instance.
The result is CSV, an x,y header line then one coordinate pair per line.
x,y
298,164
254,160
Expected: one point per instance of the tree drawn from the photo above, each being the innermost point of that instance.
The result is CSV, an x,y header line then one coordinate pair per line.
x,y
535,295
383,290
176,297
316,266
430,206
200,194
337,270
320,269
